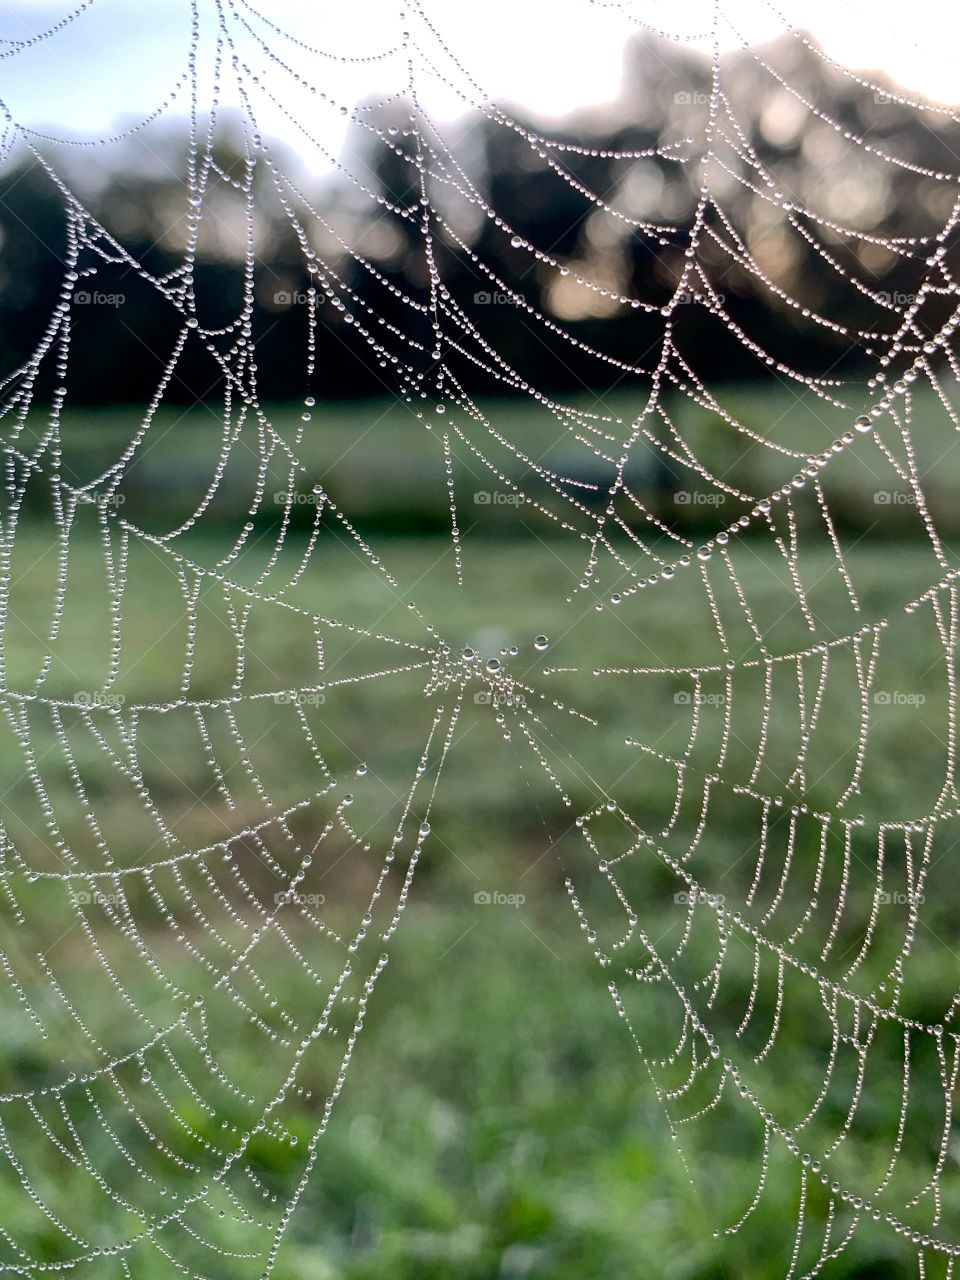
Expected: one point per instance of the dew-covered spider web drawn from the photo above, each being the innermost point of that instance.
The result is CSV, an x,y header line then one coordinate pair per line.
x,y
794,983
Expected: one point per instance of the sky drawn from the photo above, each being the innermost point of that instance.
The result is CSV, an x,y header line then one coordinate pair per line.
x,y
120,58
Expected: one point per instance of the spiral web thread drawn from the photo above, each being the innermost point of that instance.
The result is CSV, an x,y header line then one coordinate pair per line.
x,y
720,969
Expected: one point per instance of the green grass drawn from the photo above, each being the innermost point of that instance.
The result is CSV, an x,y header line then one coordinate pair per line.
x,y
385,464
497,1119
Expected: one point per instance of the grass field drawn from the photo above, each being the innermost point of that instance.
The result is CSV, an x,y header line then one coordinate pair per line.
x,y
497,1120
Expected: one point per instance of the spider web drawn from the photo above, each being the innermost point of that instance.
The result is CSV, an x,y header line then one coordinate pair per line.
x,y
813,937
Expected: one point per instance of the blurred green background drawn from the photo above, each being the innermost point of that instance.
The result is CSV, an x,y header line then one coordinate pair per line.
x,y
497,1120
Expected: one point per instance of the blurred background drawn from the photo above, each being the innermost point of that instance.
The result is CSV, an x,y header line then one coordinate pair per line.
x,y
497,1121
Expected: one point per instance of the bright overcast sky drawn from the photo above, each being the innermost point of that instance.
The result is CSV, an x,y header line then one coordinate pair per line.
x,y
118,60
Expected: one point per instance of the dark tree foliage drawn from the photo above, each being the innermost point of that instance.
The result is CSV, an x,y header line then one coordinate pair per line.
x,y
121,345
